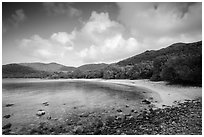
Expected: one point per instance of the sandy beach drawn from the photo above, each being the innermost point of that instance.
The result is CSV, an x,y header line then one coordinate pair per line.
x,y
168,93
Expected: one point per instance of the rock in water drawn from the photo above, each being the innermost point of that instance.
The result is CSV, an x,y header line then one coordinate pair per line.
x,y
7,116
40,113
6,132
119,110
146,101
84,115
46,103
49,117
78,129
9,105
7,126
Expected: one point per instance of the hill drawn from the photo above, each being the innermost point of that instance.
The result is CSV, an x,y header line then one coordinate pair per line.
x,y
180,63
92,67
19,71
173,50
50,67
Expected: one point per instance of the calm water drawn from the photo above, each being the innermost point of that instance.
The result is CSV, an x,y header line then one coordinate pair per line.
x,y
64,98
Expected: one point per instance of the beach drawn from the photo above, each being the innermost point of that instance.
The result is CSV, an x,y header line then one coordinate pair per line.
x,y
168,93
100,107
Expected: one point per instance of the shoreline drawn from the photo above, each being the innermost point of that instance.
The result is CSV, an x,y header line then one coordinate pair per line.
x,y
168,94
152,118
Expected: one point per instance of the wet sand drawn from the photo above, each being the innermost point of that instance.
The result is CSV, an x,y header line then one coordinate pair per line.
x,y
167,93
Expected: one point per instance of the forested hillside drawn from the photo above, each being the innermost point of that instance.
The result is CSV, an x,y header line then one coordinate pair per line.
x,y
19,71
50,67
92,67
179,63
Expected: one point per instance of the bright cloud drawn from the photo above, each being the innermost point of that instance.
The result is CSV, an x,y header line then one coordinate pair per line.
x,y
110,49
107,41
63,37
143,26
161,24
99,40
44,49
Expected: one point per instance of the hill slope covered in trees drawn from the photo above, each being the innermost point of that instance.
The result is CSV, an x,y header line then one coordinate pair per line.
x,y
178,63
50,67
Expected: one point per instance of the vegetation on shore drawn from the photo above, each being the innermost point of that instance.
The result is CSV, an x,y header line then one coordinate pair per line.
x,y
179,63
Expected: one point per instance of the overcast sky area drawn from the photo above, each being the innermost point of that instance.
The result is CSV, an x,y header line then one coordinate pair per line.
x,y
74,34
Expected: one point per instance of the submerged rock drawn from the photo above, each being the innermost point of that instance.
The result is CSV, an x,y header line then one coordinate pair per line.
x,y
84,115
49,117
119,110
45,104
7,126
145,101
7,116
40,112
126,106
9,105
6,132
134,111
78,129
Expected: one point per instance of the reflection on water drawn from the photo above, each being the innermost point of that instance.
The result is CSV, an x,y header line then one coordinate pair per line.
x,y
62,97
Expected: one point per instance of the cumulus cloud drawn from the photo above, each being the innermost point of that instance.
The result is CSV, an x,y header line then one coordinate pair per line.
x,y
63,37
103,40
162,23
61,9
15,20
109,50
98,40
45,49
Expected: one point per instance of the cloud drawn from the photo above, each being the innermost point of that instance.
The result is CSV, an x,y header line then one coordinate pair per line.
x,y
98,40
61,9
45,49
109,50
151,23
107,41
18,17
14,21
140,27
63,37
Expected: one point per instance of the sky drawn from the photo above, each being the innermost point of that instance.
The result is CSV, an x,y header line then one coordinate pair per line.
x,y
79,33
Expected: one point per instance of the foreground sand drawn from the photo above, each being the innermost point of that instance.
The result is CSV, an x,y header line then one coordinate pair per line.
x,y
168,93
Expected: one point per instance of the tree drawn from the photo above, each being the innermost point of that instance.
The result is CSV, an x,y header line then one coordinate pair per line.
x,y
183,69
141,71
158,64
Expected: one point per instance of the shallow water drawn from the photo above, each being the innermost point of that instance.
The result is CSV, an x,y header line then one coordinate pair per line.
x,y
64,98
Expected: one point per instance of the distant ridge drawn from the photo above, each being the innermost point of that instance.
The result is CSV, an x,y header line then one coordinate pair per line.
x,y
50,67
92,67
